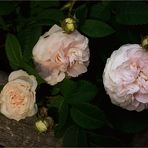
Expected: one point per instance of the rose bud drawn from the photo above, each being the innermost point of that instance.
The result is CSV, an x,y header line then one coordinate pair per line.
x,y
44,125
145,43
41,126
69,25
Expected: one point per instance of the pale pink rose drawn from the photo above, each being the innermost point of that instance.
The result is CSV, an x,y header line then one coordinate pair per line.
x,y
58,54
17,98
126,77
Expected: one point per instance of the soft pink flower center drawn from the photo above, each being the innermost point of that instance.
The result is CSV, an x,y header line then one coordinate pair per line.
x,y
15,95
133,76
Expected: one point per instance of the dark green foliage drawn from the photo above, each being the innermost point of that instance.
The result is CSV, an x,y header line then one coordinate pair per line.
x,y
101,11
31,70
132,13
85,113
95,28
78,92
87,116
75,93
28,38
75,137
13,51
81,14
67,87
7,7
63,113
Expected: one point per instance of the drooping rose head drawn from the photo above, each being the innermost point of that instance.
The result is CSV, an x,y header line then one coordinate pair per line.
x,y
126,77
17,98
58,54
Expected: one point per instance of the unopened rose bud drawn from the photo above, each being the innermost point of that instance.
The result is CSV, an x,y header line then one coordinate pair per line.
x,y
44,125
41,126
145,42
69,25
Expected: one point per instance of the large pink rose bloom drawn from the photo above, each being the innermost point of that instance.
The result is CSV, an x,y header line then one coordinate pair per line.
x,y
126,77
58,54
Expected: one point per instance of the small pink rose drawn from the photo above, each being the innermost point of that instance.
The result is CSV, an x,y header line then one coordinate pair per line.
x,y
58,54
17,98
125,77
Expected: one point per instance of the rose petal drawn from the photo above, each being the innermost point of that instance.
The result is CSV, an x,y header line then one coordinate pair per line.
x,y
76,70
143,98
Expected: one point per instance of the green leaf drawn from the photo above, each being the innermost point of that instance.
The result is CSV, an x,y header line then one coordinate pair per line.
x,y
7,7
28,37
100,11
56,101
51,14
55,90
63,117
32,71
132,13
74,137
84,92
95,28
13,51
87,116
103,141
81,13
43,4
59,131
63,114
67,87
46,12
77,92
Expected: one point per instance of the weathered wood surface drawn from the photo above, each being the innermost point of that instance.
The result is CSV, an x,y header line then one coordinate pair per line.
x,y
24,134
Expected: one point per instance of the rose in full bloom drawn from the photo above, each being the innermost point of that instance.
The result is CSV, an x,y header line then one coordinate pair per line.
x,y
58,54
126,77
17,98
